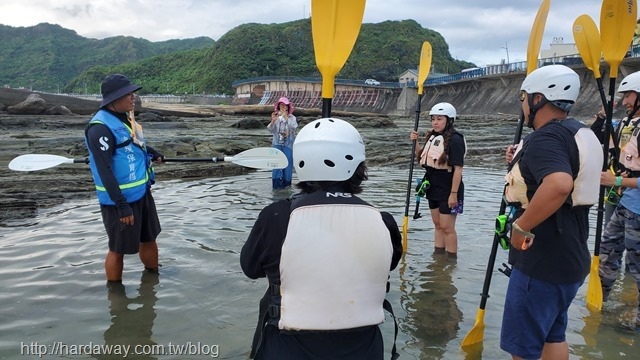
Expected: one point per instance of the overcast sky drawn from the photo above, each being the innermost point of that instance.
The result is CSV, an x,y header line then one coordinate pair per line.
x,y
476,30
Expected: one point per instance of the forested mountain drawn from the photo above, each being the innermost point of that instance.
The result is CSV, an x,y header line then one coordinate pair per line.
x,y
47,57
383,51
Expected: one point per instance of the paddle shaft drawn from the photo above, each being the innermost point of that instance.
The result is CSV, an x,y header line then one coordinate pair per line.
x,y
533,48
214,159
608,109
326,107
413,157
75,161
605,149
259,158
496,238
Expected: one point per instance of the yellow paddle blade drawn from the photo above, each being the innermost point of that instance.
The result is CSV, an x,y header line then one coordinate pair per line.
x,y
594,289
425,65
617,25
476,334
335,25
405,229
587,38
535,37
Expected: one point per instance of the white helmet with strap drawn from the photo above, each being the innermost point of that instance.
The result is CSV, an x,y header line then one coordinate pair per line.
x,y
443,108
558,83
631,82
327,149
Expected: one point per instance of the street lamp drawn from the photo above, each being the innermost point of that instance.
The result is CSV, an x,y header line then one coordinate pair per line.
x,y
506,47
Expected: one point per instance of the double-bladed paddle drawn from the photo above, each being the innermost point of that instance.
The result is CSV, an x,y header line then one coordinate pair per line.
x,y
476,334
587,38
423,72
259,158
335,25
617,26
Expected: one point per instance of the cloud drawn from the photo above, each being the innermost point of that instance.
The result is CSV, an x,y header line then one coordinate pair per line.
x,y
476,31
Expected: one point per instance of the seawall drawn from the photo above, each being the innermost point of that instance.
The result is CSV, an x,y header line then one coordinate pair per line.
x,y
495,94
483,95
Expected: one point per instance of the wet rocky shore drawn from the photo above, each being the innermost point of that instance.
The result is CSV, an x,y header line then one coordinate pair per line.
x,y
204,132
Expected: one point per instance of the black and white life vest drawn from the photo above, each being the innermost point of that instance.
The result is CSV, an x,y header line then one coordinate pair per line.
x,y
583,161
334,241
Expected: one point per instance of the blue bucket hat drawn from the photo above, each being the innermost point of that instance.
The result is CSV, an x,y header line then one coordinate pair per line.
x,y
116,86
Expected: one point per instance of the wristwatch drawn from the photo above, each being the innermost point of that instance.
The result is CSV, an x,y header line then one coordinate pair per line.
x,y
528,236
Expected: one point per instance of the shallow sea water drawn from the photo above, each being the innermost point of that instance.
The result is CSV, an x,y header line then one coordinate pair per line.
x,y
53,295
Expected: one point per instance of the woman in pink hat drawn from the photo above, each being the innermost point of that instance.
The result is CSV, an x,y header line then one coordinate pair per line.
x,y
283,127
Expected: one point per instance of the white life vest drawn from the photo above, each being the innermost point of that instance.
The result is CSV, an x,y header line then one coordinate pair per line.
x,y
516,191
432,151
585,185
629,155
334,267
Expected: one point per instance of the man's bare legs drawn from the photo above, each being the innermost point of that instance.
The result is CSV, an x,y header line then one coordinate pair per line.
x,y
113,265
149,255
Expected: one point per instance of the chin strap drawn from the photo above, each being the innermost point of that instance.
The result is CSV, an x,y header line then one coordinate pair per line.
x,y
533,109
636,106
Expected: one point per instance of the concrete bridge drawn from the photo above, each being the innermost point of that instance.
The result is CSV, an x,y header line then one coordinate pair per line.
x,y
306,92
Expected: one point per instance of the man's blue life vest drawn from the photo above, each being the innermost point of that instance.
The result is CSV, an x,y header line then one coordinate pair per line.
x,y
130,163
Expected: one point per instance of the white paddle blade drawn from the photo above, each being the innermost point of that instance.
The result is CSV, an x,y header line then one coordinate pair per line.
x,y
266,158
35,162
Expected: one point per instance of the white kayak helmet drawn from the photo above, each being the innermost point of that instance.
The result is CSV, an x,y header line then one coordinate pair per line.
x,y
443,108
327,149
558,83
630,82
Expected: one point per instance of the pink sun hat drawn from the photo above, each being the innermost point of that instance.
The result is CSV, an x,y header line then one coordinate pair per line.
x,y
285,101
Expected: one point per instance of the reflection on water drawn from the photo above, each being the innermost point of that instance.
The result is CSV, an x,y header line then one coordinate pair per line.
x,y
132,318
433,314
52,286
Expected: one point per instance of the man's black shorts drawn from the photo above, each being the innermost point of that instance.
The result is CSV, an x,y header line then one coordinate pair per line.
x,y
126,239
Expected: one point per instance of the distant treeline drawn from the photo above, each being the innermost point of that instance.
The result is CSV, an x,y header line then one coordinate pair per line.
x,y
50,58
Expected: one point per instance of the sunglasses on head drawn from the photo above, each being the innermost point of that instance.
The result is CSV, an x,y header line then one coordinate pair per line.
x,y
523,95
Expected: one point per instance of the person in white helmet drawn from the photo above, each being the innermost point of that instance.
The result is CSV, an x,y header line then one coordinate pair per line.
x,y
552,184
326,254
442,156
622,232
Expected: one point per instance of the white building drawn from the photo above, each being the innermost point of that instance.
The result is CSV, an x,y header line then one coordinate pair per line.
x,y
410,77
558,50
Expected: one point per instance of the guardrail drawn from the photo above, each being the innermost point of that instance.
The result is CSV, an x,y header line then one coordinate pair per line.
x,y
520,66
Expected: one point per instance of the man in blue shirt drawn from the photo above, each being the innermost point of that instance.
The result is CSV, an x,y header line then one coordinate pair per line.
x,y
623,229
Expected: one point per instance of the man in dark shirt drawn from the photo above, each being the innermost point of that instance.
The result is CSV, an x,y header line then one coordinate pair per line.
x,y
326,254
555,181
121,167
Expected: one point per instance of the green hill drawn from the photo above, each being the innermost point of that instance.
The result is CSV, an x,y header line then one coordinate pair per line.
x,y
47,57
383,51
